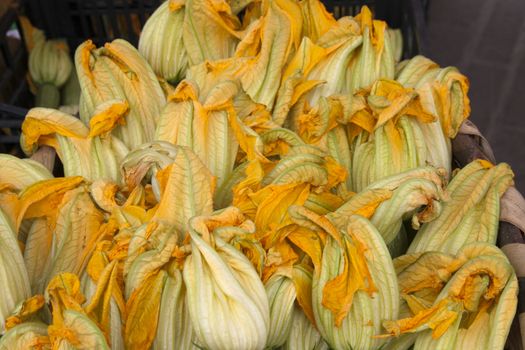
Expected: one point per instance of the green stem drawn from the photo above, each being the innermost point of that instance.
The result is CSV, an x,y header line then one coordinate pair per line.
x,y
47,96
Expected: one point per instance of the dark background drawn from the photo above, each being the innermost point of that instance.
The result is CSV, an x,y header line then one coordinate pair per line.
x,y
485,39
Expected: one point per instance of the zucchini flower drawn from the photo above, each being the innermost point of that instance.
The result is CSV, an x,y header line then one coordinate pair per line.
x,y
329,59
49,67
349,317
91,151
304,176
354,285
182,184
35,219
385,133
317,70
472,212
266,47
165,53
211,114
118,72
443,92
415,193
222,284
209,29
200,120
375,58
468,300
